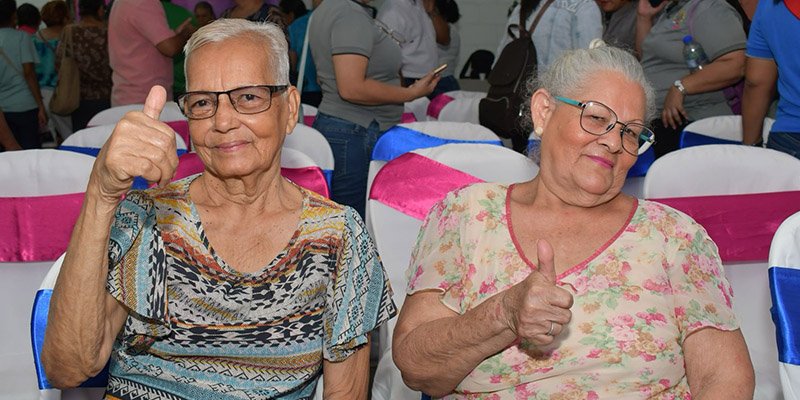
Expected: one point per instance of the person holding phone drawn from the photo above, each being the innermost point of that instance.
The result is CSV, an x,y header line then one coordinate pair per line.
x,y
358,58
683,96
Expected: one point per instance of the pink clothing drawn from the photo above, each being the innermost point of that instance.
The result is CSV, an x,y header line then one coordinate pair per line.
x,y
134,29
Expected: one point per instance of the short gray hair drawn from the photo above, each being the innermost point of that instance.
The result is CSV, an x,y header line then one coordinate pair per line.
x,y
266,33
571,71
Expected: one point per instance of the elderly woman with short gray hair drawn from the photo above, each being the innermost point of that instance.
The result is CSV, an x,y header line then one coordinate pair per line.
x,y
562,286
234,283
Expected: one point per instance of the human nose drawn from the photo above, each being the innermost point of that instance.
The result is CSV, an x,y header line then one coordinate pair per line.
x,y
613,138
226,117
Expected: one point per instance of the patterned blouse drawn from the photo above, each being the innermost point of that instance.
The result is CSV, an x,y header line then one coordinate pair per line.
x,y
91,54
637,298
198,329
46,67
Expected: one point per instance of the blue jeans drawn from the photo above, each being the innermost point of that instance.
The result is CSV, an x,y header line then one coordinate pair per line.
x,y
786,142
352,149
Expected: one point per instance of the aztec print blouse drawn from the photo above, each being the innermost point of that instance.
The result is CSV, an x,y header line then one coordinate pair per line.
x,y
198,329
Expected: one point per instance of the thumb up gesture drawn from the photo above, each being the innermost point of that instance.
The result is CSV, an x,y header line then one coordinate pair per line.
x,y
536,309
140,145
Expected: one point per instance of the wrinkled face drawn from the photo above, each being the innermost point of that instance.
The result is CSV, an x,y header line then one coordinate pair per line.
x,y
610,6
229,143
581,168
203,16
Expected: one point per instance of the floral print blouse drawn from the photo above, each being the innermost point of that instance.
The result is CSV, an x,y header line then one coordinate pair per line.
x,y
636,299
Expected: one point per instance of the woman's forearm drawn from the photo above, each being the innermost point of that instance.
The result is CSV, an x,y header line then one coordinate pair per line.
x,y
437,355
82,321
759,89
643,26
33,83
723,72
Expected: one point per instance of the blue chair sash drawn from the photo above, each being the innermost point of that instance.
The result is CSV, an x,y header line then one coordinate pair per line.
x,y
398,140
41,309
642,164
784,284
690,139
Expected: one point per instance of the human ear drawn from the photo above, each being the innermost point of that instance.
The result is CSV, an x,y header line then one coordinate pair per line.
x,y
293,105
541,108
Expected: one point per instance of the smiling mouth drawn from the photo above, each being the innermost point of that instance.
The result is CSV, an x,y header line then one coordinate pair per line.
x,y
602,161
230,145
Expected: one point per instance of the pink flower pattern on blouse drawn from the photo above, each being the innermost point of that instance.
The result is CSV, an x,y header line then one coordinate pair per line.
x,y
636,300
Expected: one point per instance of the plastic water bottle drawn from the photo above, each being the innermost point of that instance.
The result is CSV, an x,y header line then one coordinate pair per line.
x,y
694,54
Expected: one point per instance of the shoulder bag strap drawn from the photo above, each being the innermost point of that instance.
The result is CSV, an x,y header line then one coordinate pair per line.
x,y
301,68
539,16
10,63
46,42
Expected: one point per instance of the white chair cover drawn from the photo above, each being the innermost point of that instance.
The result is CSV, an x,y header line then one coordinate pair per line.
x,y
725,127
29,173
728,170
439,129
311,142
784,254
395,234
418,107
171,112
96,137
309,110
43,294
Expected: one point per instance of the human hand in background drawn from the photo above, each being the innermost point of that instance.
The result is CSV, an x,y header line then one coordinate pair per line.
x,y
536,309
425,85
673,115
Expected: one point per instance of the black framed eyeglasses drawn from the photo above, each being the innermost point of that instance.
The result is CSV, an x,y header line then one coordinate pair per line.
x,y
599,119
245,100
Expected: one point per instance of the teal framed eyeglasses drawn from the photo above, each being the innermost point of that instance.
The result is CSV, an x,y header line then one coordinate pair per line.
x,y
598,119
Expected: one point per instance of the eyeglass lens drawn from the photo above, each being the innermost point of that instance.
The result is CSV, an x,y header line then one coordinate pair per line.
x,y
598,119
248,100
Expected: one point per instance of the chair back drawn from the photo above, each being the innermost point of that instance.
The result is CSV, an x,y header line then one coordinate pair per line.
x,y
722,129
93,387
302,170
724,176
313,144
784,275
395,228
456,105
90,140
41,193
418,107
171,112
479,62
309,114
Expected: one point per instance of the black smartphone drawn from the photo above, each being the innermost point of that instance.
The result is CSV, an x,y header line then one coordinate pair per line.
x,y
656,3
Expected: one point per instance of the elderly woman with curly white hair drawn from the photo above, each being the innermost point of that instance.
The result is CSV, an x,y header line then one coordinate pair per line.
x,y
563,287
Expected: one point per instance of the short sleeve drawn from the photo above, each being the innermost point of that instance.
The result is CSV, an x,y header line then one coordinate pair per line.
x,y
156,29
359,298
437,261
136,266
757,45
718,29
351,33
702,295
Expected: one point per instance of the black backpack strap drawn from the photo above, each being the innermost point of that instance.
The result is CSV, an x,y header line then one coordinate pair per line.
x,y
529,32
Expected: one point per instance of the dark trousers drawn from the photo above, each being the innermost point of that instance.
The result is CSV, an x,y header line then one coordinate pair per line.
x,y
25,127
86,110
667,139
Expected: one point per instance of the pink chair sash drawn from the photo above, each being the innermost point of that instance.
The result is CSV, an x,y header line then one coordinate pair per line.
x,y
182,129
741,225
37,228
311,178
408,117
437,104
412,184
308,120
